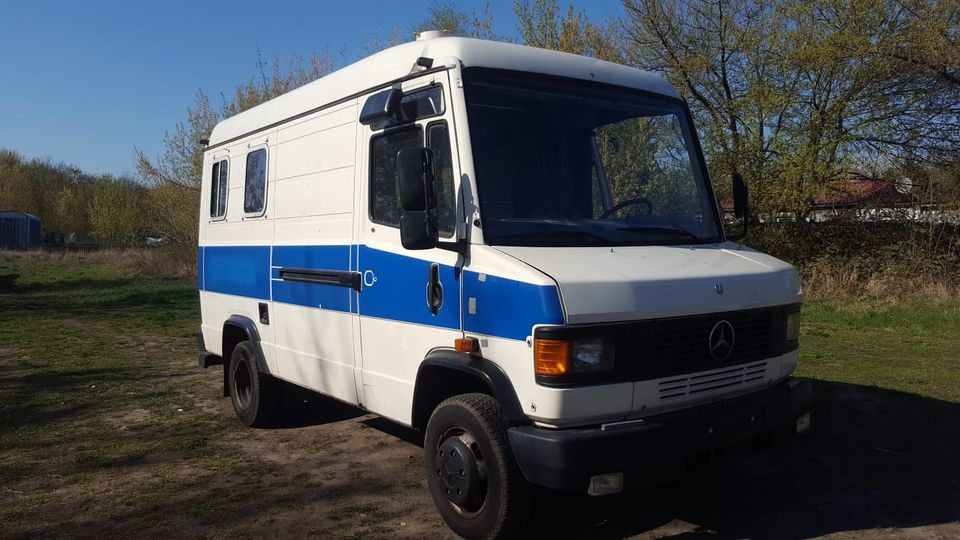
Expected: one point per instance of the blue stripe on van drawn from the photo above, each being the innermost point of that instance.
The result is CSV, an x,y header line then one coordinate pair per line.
x,y
504,307
238,270
311,294
508,308
393,298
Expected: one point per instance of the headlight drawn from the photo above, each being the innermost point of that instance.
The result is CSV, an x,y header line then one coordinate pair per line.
x,y
793,326
591,356
557,357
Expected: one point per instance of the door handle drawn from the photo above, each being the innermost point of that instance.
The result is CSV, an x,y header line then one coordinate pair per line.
x,y
434,289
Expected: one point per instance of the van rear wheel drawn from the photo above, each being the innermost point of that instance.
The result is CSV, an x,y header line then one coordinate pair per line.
x,y
255,395
472,476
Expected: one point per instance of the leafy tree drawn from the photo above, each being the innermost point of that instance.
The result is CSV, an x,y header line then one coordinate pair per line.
x,y
543,24
58,194
117,211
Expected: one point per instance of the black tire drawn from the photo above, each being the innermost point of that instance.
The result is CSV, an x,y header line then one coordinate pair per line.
x,y
480,494
255,395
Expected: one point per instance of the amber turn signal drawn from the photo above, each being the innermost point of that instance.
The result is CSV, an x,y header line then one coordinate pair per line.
x,y
551,356
467,345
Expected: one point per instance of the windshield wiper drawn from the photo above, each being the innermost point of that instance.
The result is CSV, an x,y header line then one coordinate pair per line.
x,y
554,235
663,229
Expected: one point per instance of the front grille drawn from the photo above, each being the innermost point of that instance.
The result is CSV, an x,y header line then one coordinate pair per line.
x,y
691,385
682,345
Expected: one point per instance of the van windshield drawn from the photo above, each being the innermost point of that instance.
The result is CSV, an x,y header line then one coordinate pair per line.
x,y
566,163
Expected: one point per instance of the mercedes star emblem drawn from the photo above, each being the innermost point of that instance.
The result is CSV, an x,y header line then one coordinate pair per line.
x,y
720,341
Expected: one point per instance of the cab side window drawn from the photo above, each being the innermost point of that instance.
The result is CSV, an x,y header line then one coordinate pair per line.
x,y
384,192
438,140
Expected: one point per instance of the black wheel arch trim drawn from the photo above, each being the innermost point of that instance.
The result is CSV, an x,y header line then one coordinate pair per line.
x,y
248,327
485,371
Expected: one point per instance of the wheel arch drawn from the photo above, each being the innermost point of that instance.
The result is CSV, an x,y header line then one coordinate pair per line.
x,y
236,329
445,373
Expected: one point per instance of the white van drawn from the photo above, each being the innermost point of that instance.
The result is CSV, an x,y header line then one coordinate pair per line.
x,y
516,250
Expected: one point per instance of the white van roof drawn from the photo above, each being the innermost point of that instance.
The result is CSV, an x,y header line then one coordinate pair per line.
x,y
398,62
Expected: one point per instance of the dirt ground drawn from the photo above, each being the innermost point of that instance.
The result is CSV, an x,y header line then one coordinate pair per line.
x,y
878,464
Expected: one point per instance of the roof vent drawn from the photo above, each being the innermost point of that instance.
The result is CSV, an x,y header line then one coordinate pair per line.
x,y
430,34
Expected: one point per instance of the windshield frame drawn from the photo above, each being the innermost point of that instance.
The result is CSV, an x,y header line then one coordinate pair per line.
x,y
689,132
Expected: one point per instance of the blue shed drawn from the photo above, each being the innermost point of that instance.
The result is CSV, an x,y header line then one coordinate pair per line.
x,y
19,230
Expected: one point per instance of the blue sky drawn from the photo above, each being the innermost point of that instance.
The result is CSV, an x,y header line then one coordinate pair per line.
x,y
86,82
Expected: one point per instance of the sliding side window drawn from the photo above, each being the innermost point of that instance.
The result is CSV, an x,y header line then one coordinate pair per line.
x,y
219,185
255,183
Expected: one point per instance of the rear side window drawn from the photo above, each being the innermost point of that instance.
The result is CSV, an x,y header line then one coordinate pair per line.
x,y
219,185
384,193
255,183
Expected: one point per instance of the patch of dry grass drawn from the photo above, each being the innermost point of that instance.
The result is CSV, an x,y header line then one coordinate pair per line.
x,y
885,289
158,263
164,263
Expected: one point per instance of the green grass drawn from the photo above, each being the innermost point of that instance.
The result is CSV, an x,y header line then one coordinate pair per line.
x,y
103,411
911,347
92,383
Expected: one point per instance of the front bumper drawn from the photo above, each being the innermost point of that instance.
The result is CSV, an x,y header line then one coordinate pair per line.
x,y
659,448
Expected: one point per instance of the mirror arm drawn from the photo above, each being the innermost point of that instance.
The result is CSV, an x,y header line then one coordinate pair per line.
x,y
743,228
460,246
738,236
741,206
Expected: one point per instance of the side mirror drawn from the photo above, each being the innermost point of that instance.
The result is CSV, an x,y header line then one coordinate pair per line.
x,y
418,199
380,106
741,207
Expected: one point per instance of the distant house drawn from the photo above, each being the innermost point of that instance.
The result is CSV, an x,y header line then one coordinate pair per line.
x,y
19,230
864,199
871,199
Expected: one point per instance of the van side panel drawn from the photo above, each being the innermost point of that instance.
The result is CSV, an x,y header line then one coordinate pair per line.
x,y
314,231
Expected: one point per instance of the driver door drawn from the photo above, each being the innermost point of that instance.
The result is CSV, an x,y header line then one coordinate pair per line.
x,y
398,326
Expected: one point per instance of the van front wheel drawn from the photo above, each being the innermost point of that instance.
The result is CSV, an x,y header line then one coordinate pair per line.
x,y
473,478
254,394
